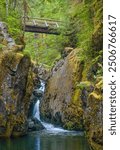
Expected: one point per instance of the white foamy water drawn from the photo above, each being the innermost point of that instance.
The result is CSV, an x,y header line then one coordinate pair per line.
x,y
51,127
36,114
36,110
48,126
42,87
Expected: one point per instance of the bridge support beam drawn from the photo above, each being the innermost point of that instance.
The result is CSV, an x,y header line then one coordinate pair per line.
x,y
37,29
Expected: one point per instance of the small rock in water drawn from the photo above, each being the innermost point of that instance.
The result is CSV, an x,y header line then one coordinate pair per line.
x,y
37,93
34,125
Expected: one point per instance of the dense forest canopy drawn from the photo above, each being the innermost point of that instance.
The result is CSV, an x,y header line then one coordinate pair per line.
x,y
82,20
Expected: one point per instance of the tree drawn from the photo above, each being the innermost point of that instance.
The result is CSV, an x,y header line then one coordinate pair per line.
x,y
7,8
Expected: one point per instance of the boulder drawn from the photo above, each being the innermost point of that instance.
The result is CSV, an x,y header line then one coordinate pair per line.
x,y
37,93
34,125
16,86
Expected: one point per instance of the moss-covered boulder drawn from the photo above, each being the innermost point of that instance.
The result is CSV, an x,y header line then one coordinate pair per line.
x,y
15,91
15,86
93,116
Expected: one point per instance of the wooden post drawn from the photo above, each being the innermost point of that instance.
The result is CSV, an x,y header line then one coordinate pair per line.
x,y
34,22
46,24
57,25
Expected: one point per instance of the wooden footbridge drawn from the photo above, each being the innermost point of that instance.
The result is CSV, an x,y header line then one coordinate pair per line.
x,y
46,26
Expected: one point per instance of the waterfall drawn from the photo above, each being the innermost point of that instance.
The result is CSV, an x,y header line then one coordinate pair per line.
x,y
51,127
42,87
36,114
36,110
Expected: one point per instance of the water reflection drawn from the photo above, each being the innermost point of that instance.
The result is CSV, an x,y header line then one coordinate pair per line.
x,y
37,141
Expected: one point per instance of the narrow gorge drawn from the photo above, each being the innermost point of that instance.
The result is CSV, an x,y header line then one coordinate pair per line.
x,y
51,84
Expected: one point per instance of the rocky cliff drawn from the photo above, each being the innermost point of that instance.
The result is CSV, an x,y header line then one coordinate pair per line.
x,y
15,86
93,116
73,97
61,104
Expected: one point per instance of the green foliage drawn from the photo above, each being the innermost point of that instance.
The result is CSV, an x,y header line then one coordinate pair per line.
x,y
83,85
13,19
54,9
14,25
44,48
82,22
47,49
86,28
2,10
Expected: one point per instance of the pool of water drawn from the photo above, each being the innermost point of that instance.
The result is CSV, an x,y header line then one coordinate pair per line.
x,y
51,138
47,140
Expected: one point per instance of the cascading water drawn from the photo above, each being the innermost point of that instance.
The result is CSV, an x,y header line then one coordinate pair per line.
x,y
36,110
36,114
47,138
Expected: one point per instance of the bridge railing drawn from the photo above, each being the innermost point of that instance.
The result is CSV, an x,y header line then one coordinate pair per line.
x,y
43,22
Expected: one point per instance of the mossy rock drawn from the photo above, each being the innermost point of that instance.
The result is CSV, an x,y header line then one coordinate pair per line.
x,y
84,85
73,119
93,117
16,86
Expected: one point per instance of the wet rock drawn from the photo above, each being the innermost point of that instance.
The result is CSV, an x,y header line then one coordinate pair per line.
x,y
43,73
34,125
37,93
20,129
37,82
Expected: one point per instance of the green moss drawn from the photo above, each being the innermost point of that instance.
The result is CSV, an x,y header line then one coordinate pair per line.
x,y
93,117
73,117
2,120
76,96
69,125
95,95
29,89
85,84
1,47
9,60
99,85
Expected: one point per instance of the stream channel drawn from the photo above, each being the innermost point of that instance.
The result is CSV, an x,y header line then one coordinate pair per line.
x,y
50,138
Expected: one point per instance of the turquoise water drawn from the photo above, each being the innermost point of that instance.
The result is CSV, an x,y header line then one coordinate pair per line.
x,y
46,140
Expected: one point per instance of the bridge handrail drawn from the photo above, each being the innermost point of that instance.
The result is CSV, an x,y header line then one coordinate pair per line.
x,y
44,19
38,22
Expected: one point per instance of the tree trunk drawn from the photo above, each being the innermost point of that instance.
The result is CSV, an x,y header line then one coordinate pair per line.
x,y
7,8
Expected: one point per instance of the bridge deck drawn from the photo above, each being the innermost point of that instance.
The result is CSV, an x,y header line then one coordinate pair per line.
x,y
46,26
